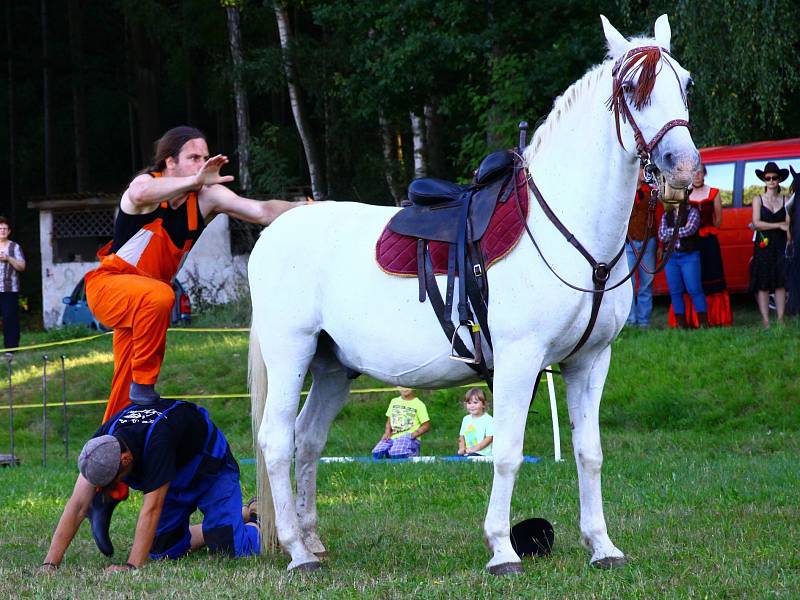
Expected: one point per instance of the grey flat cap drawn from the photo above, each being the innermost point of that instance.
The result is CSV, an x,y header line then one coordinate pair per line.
x,y
99,460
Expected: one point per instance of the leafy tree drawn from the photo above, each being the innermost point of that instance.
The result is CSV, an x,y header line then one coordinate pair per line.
x,y
743,55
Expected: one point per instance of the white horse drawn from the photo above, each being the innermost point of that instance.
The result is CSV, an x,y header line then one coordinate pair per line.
x,y
321,303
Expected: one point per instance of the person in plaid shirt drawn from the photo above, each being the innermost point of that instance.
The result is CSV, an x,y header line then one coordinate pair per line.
x,y
683,268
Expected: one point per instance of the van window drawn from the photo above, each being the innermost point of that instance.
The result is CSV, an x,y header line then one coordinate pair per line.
x,y
720,176
753,186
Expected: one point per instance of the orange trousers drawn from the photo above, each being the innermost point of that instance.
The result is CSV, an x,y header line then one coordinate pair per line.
x,y
138,309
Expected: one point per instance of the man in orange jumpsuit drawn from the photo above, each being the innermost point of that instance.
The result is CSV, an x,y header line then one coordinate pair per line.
x,y
161,215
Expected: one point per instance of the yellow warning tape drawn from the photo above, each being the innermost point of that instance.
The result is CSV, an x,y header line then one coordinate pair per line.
x,y
94,337
208,397
59,343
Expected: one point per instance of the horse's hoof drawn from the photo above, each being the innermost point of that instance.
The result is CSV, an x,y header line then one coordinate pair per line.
x,y
509,568
321,555
308,567
609,562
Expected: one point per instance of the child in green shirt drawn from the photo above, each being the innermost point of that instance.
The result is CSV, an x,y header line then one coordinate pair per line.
x,y
406,421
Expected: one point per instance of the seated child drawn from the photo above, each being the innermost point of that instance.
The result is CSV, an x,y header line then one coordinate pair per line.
x,y
407,420
476,434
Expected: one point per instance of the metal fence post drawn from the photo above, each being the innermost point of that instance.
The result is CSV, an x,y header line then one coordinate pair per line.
x,y
64,404
44,410
10,410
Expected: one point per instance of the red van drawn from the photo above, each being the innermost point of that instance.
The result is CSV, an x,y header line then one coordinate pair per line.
x,y
732,170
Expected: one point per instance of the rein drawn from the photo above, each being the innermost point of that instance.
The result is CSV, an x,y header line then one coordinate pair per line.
x,y
642,60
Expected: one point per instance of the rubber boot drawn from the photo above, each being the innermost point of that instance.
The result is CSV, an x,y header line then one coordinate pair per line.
x,y
702,320
143,394
99,515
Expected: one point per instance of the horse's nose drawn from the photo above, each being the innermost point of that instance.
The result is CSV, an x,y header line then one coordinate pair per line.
x,y
669,160
689,161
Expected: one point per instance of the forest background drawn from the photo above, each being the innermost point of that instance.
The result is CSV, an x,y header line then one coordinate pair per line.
x,y
344,99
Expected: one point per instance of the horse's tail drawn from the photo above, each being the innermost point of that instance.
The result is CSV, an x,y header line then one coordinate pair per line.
x,y
257,380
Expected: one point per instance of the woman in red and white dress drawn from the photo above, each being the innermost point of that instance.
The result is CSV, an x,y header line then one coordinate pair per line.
x,y
708,201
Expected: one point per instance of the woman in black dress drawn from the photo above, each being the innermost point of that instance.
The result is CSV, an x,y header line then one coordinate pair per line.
x,y
793,257
771,222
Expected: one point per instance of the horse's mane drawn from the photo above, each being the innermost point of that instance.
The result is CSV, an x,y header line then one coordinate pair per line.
x,y
562,106
581,89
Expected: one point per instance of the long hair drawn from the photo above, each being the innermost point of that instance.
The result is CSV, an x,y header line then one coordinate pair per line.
x,y
170,144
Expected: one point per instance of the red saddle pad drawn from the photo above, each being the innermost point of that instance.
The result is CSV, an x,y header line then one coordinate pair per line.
x,y
397,254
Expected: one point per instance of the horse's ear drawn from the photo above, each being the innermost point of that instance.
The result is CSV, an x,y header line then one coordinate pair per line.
x,y
663,32
617,44
794,173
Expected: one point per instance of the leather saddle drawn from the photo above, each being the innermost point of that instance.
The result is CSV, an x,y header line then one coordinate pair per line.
x,y
458,215
435,213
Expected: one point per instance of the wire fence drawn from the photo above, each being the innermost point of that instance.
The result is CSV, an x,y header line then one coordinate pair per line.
x,y
10,407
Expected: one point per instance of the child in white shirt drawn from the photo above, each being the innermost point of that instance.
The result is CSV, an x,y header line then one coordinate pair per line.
x,y
476,434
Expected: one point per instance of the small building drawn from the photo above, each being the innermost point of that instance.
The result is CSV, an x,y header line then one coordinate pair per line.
x,y
72,228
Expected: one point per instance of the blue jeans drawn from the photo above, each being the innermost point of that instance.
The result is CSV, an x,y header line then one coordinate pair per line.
x,y
683,275
643,300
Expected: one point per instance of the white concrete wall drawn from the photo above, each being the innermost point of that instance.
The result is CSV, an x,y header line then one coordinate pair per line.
x,y
58,280
209,270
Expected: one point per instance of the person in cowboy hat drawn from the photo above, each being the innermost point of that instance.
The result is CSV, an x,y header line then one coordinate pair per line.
x,y
771,222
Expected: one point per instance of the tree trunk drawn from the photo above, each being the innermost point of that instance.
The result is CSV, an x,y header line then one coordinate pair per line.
x,y
143,63
75,13
389,161
240,97
12,126
433,141
493,121
300,119
418,136
47,115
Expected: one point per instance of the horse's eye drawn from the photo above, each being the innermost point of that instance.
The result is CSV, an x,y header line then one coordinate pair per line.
x,y
689,86
628,87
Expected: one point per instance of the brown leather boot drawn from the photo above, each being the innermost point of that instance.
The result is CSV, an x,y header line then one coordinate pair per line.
x,y
702,320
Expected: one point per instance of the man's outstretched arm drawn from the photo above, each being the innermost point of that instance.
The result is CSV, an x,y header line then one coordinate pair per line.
x,y
221,200
71,519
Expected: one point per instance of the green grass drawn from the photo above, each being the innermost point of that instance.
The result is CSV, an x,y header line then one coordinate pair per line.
x,y
701,434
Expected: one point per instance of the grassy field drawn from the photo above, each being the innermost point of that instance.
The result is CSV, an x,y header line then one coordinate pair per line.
x,y
701,435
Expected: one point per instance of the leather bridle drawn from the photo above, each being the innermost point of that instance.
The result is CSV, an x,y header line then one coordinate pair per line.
x,y
642,59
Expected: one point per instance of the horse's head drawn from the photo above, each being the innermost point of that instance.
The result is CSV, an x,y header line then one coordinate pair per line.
x,y
649,95
795,187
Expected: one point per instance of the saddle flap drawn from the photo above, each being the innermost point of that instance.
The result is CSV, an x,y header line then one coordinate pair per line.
x,y
437,222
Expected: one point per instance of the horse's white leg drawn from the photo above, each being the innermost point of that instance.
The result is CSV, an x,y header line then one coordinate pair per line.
x,y
514,378
286,366
584,389
328,394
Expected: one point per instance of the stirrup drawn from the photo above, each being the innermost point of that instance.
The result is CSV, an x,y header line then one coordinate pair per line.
x,y
475,330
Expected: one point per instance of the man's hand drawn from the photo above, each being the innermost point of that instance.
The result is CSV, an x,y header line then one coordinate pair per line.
x,y
209,173
118,568
48,568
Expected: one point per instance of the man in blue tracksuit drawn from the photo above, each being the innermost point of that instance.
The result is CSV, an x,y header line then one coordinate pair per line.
x,y
173,453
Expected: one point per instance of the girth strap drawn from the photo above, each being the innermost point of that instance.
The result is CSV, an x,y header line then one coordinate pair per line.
x,y
446,324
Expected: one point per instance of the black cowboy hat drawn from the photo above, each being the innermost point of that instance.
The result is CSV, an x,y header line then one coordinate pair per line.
x,y
771,167
532,537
